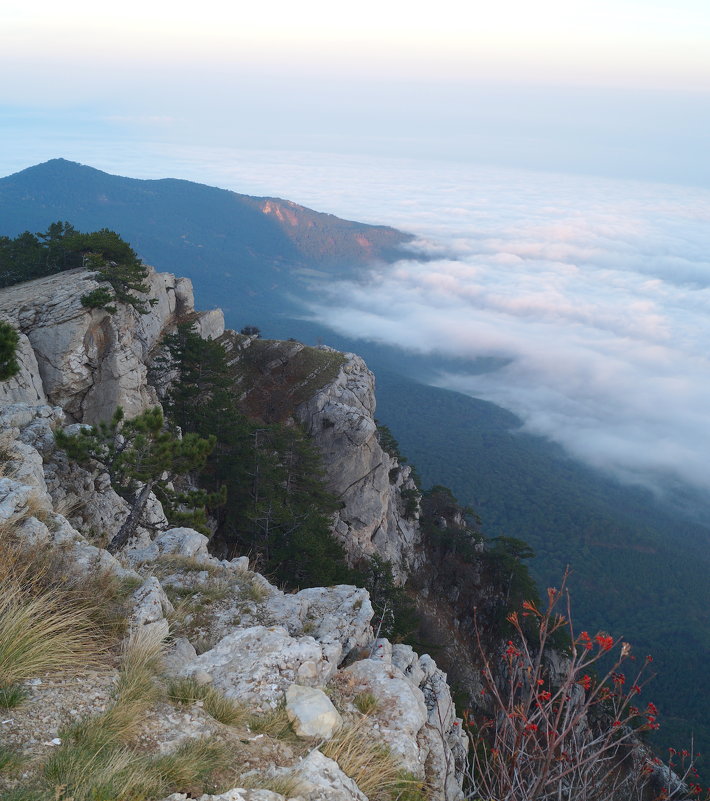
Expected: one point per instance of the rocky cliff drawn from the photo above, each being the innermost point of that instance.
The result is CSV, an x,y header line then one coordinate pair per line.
x,y
332,395
88,361
310,656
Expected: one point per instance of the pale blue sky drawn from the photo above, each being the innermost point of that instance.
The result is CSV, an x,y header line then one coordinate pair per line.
x,y
615,88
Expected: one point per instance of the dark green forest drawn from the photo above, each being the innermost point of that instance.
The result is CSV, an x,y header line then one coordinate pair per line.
x,y
637,572
275,506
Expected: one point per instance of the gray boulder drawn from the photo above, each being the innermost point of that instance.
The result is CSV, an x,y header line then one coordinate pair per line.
x,y
311,713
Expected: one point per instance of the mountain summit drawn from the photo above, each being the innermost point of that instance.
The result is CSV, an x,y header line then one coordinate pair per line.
x,y
269,246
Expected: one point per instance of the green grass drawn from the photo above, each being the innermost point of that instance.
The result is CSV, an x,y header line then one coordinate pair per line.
x,y
187,691
12,696
10,760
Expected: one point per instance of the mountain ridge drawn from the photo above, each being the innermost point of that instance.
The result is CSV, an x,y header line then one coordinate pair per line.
x,y
265,246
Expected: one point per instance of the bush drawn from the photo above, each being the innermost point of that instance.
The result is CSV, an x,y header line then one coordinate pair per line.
x,y
565,726
9,340
250,331
100,298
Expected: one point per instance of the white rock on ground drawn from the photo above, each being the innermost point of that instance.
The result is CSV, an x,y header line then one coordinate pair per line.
x,y
183,542
337,615
150,606
321,779
237,794
257,664
312,713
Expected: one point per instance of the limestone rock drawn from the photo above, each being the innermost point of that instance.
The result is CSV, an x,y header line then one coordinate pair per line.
x,y
14,498
150,606
86,360
239,563
237,794
415,715
26,385
181,653
183,542
311,713
321,779
369,482
210,324
401,709
257,664
337,615
86,498
76,366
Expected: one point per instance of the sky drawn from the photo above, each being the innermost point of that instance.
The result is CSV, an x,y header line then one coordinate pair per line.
x,y
611,87
553,156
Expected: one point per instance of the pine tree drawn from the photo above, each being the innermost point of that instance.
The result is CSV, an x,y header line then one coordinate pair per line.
x,y
276,505
140,455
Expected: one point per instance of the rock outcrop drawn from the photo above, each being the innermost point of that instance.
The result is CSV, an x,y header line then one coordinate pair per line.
x,y
332,395
260,646
88,361
340,417
232,630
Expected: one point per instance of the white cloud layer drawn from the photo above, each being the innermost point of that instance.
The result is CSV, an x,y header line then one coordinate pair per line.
x,y
597,292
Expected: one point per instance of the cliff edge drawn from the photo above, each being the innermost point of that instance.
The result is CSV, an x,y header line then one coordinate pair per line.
x,y
302,673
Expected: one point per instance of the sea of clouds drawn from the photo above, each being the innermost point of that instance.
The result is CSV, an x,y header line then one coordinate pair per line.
x,y
595,292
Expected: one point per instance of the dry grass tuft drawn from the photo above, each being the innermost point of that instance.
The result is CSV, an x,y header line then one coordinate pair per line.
x,y
170,562
95,771
96,761
10,760
224,709
52,619
136,690
37,507
190,768
287,784
42,633
273,724
252,590
366,702
371,765
44,568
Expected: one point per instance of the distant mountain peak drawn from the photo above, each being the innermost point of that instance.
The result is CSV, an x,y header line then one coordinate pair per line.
x,y
266,247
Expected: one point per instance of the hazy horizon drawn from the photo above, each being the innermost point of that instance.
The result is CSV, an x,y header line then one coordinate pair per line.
x,y
615,89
